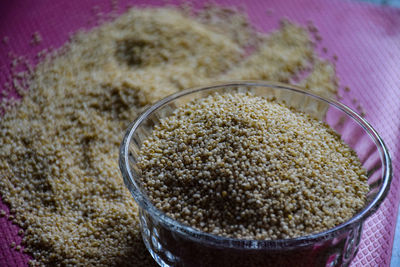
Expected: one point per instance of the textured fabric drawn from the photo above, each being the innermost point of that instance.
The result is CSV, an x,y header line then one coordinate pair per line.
x,y
365,38
395,3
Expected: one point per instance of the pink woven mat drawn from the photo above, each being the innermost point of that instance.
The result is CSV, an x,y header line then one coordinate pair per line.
x,y
365,38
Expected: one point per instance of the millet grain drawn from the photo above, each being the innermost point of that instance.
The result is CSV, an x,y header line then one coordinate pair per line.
x,y
59,144
241,166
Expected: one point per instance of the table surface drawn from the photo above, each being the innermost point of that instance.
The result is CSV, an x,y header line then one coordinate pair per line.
x,y
364,36
395,261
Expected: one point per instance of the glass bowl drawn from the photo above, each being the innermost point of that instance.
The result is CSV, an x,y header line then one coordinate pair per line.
x,y
174,244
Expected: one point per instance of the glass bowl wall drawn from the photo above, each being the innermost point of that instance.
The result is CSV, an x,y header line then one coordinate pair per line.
x,y
174,244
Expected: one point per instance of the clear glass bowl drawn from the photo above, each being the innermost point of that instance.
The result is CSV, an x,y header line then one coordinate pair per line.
x,y
174,244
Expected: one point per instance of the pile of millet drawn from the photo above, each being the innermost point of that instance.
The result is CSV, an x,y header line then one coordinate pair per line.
x,y
242,166
59,144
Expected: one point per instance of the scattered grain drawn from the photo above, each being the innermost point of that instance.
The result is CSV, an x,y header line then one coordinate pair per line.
x,y
36,38
361,110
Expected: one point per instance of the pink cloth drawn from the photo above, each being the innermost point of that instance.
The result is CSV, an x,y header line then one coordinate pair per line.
x,y
366,39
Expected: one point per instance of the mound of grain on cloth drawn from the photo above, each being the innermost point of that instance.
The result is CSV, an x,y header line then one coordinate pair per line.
x,y
59,146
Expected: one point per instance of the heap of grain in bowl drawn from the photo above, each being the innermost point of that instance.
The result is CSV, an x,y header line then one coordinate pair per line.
x,y
243,166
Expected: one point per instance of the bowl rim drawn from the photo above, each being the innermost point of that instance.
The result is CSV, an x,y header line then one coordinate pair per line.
x,y
254,244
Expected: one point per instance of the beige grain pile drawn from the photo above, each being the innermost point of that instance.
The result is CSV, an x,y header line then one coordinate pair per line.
x,y
59,146
241,166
